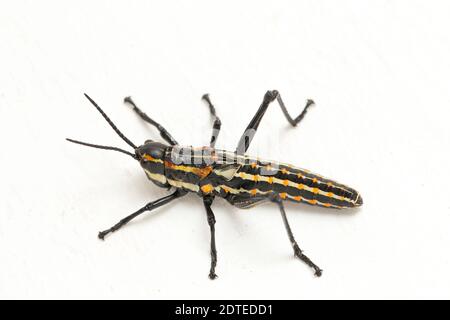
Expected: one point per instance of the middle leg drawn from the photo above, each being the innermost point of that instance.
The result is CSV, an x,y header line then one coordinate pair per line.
x,y
207,201
217,123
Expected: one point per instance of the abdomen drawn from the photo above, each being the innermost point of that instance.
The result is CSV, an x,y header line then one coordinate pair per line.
x,y
291,183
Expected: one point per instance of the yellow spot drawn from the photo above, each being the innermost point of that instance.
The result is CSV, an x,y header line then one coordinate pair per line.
x,y
270,180
254,192
283,195
202,172
284,171
242,175
330,194
314,180
315,190
253,165
286,182
300,186
312,201
298,198
341,198
207,188
300,176
225,189
256,178
327,205
268,167
329,184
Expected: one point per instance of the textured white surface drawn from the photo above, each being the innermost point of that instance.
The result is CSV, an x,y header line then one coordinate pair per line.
x,y
379,72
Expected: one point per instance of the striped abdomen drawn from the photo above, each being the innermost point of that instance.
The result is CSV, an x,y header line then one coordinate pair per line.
x,y
246,181
292,183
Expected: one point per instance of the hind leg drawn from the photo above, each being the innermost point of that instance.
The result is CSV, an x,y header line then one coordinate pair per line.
x,y
252,127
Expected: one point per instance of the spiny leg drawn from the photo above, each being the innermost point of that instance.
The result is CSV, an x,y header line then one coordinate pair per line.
x,y
217,123
148,207
162,131
252,127
297,251
207,201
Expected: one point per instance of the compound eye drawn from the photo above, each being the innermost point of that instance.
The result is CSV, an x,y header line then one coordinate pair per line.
x,y
157,153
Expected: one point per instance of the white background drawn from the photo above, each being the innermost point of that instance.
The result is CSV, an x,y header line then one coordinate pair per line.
x,y
379,72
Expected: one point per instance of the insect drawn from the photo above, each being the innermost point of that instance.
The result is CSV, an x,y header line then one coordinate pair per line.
x,y
234,176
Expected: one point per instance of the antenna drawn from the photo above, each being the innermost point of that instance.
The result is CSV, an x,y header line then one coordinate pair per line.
x,y
103,147
111,123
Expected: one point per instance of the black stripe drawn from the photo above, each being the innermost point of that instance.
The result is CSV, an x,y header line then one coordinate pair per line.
x,y
292,191
183,176
322,183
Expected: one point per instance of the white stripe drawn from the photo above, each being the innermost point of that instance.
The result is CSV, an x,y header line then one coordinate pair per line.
x,y
185,185
237,191
156,176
